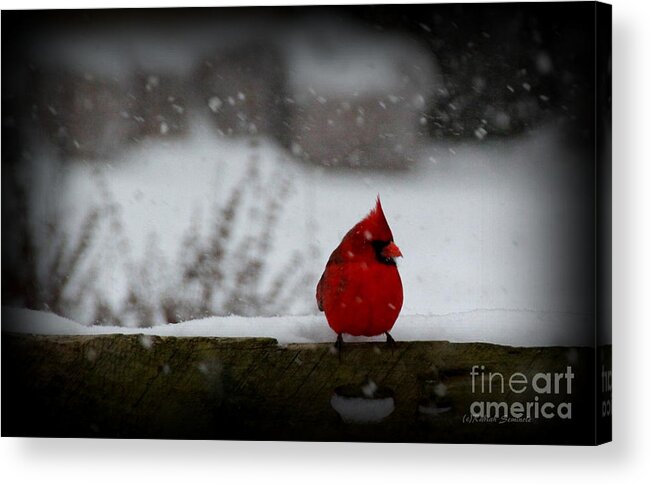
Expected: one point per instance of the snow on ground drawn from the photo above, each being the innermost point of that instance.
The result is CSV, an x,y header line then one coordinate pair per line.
x,y
483,225
505,327
160,190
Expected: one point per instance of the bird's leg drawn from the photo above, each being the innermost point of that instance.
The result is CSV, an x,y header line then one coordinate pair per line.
x,y
390,342
339,345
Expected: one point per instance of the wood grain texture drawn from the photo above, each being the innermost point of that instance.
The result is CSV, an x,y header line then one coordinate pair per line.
x,y
252,388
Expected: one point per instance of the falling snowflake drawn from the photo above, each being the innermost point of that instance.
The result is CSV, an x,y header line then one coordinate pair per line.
x,y
369,388
480,133
215,103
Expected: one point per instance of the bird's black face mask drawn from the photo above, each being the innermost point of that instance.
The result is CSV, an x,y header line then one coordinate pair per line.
x,y
379,247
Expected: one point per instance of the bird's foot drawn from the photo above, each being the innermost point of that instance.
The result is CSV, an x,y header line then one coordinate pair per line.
x,y
339,346
391,343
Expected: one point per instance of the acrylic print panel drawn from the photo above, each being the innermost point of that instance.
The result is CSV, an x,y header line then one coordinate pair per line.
x,y
369,223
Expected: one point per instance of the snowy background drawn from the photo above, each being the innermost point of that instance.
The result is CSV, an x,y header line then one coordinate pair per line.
x,y
164,172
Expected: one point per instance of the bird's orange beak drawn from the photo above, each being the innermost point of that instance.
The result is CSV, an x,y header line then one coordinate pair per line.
x,y
391,251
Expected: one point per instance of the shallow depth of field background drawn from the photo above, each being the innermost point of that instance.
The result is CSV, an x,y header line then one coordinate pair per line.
x,y
166,166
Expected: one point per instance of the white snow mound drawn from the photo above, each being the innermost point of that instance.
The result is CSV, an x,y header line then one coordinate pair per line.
x,y
505,327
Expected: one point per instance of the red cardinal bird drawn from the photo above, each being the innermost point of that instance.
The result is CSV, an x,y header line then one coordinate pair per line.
x,y
360,290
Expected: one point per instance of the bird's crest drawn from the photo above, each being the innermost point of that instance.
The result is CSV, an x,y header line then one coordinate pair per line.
x,y
374,226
